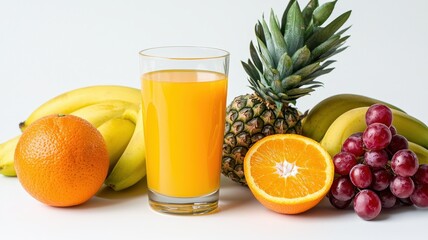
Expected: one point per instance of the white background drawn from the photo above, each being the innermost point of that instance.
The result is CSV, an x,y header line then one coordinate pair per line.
x,y
49,47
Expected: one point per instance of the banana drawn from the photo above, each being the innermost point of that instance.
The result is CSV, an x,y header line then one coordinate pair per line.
x,y
75,99
322,115
131,167
420,151
7,156
117,133
353,121
101,112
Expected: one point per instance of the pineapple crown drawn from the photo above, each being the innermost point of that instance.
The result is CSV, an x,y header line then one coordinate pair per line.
x,y
290,55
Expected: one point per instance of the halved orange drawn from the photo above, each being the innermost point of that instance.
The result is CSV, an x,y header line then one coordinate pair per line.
x,y
288,173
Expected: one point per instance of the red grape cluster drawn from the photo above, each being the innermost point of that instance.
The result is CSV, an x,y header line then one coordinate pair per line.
x,y
377,170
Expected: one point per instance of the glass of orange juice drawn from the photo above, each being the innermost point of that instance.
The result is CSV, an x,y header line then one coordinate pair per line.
x,y
184,99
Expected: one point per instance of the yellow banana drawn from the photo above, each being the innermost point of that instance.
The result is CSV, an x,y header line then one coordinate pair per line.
x,y
116,133
353,121
420,151
322,115
131,167
75,99
101,112
7,156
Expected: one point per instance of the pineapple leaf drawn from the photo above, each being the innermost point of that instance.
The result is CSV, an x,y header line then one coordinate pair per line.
x,y
310,30
268,37
253,81
280,47
316,86
285,66
333,50
331,53
257,87
327,63
261,80
301,57
258,92
249,69
284,15
264,52
273,96
259,32
317,82
267,61
291,81
341,40
343,31
294,29
325,46
282,95
323,34
293,99
308,70
321,72
267,71
255,57
308,11
291,54
322,13
307,81
253,84
299,91
277,87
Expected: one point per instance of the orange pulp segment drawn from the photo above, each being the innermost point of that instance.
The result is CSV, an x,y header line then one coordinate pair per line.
x,y
288,173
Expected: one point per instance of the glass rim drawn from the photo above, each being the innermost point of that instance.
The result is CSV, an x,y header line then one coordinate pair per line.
x,y
220,53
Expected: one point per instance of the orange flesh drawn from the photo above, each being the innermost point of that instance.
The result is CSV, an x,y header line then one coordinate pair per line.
x,y
279,182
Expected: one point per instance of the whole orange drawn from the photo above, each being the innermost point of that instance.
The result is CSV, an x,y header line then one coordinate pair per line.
x,y
61,160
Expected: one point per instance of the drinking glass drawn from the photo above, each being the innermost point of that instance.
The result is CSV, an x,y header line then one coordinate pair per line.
x,y
184,99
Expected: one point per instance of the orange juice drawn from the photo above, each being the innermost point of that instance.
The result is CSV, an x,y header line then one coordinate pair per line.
x,y
184,114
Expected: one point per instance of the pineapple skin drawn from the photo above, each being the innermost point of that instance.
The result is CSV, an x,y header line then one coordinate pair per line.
x,y
249,119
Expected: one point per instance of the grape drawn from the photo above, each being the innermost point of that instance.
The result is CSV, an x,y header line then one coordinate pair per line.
x,y
357,134
393,130
387,199
367,204
420,196
402,187
376,158
342,189
405,201
361,176
354,144
343,162
377,136
398,142
377,169
421,176
379,113
405,163
339,204
381,179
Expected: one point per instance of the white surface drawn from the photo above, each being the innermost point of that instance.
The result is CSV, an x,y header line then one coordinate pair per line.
x,y
49,47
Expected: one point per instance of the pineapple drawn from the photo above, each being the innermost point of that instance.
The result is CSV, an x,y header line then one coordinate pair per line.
x,y
283,67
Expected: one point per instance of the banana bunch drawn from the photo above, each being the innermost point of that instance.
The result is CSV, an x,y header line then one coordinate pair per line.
x,y
115,111
335,118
